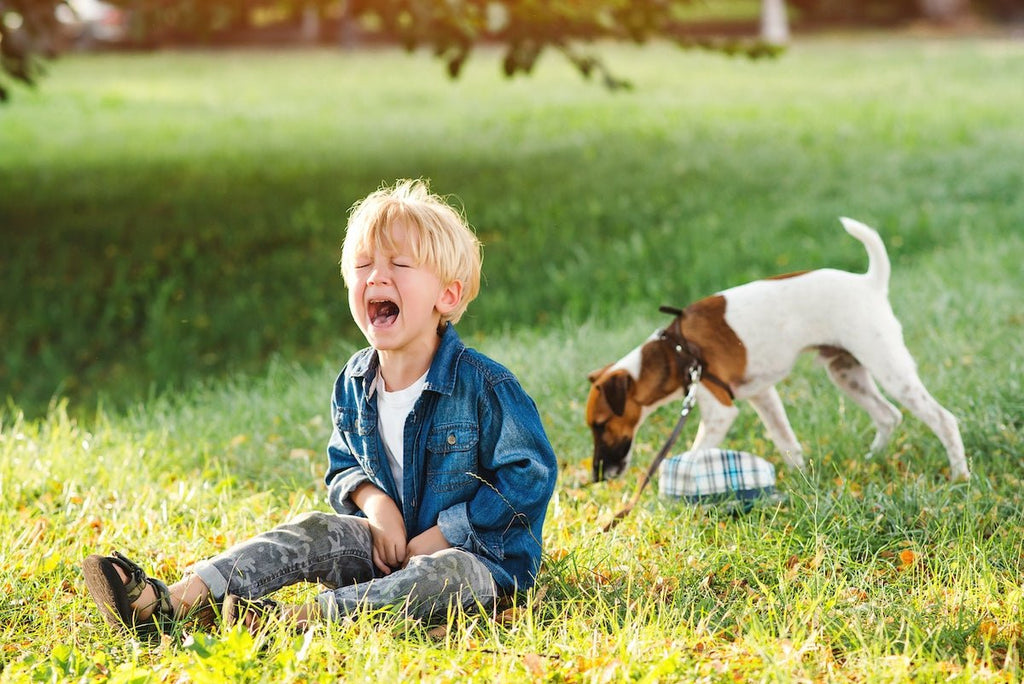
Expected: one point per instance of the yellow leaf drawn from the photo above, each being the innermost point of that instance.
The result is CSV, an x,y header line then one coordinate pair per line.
x,y
534,663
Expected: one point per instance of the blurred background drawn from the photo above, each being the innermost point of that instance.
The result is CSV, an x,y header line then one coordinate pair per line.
x,y
175,174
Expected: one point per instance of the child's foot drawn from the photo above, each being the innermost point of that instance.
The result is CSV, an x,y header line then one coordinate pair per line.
x,y
255,614
126,597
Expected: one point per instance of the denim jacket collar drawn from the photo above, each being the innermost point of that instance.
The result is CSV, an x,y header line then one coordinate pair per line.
x,y
440,377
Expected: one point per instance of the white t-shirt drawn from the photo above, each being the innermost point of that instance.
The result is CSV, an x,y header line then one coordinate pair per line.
x,y
392,410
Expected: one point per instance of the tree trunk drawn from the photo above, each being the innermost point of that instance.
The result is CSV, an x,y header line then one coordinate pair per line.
x,y
310,26
774,24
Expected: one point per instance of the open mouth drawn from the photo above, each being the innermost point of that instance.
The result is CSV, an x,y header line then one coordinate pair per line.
x,y
383,312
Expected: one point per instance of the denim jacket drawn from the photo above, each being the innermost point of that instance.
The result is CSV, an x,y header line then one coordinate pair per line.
x,y
477,460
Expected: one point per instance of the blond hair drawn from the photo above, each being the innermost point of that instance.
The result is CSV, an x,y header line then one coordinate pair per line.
x,y
438,236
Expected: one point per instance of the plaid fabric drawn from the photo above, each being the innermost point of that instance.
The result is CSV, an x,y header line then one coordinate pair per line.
x,y
712,475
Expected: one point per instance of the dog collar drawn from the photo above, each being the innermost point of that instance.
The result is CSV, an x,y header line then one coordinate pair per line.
x,y
688,353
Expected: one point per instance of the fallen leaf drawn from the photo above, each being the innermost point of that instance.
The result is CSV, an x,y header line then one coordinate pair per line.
x,y
535,664
988,629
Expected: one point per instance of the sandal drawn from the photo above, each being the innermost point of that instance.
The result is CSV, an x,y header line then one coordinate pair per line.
x,y
237,608
114,596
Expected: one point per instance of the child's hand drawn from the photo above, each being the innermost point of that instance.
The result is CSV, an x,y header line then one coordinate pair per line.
x,y
388,530
425,543
386,527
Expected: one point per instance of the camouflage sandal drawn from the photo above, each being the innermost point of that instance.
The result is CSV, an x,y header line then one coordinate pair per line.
x,y
115,596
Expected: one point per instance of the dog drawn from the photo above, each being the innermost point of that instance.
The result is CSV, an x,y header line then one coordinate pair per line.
x,y
747,338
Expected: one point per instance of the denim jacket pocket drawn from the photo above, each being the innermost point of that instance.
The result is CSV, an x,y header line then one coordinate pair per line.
x,y
347,421
452,462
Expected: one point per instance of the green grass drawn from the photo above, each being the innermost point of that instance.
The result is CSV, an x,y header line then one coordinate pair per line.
x,y
173,211
170,216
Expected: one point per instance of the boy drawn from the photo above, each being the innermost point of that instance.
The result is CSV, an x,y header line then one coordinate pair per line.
x,y
439,469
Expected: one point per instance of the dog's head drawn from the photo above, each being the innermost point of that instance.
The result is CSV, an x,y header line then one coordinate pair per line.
x,y
613,414
623,393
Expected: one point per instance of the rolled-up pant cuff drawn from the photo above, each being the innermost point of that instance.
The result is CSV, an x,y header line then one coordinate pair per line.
x,y
211,577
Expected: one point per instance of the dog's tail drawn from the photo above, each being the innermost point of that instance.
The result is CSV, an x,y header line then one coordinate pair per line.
x,y
878,259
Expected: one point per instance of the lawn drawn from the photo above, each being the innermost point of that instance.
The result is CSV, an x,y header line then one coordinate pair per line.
x,y
173,318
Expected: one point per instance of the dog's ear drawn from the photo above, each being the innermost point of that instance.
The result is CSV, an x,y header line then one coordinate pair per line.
x,y
671,310
593,375
615,390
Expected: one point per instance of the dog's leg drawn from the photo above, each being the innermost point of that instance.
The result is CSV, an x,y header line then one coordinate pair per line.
x,y
772,413
911,393
853,379
896,372
715,420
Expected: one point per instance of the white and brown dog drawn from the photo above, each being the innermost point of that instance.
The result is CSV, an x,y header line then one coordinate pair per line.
x,y
747,338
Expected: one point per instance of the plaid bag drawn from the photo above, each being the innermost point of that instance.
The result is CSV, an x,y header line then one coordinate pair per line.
x,y
716,475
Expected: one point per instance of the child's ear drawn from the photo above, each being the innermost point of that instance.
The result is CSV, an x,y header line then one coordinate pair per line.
x,y
449,297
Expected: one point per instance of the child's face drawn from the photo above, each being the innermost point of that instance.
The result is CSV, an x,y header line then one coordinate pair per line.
x,y
397,303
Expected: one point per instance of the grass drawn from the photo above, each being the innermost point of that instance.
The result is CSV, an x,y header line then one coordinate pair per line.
x,y
204,196
194,185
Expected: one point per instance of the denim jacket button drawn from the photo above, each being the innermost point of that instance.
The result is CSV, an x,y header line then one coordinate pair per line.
x,y
451,439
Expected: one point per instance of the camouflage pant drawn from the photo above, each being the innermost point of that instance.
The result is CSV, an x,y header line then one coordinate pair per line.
x,y
335,550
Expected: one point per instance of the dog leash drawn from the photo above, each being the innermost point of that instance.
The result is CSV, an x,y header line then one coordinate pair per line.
x,y
688,403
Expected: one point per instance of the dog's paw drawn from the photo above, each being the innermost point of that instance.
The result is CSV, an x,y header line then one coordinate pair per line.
x,y
794,459
958,476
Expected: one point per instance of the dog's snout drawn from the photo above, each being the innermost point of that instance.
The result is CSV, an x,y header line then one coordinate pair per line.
x,y
601,473
610,460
